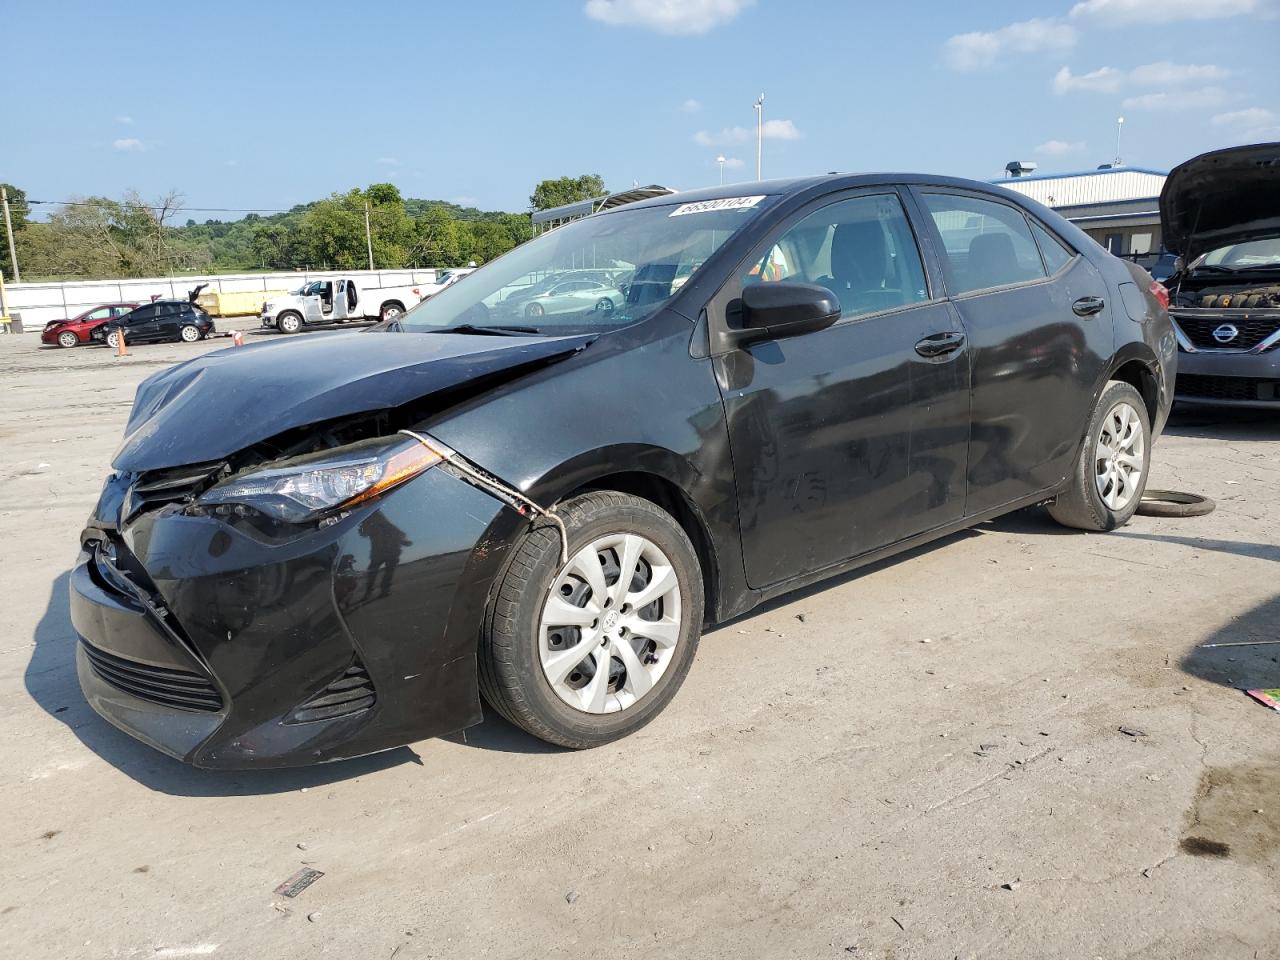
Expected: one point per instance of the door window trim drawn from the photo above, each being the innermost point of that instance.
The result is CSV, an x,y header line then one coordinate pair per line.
x,y
731,288
919,191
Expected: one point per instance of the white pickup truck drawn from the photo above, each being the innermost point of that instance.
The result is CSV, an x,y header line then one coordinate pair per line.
x,y
337,300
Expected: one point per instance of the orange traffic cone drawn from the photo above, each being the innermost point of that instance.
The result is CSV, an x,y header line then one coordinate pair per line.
x,y
120,350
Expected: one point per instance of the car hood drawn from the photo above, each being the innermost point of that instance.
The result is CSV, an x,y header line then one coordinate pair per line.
x,y
1221,198
210,407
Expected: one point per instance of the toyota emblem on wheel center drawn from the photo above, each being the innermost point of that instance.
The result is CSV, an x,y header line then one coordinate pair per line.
x,y
1226,333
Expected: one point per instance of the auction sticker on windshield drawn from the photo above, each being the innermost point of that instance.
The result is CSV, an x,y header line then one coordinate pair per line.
x,y
707,206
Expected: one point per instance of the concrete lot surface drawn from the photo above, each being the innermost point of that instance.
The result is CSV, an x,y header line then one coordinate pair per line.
x,y
923,760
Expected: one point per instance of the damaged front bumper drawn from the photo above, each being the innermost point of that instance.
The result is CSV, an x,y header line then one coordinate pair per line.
x,y
228,647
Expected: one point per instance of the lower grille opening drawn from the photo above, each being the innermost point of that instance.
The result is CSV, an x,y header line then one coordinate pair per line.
x,y
350,692
1226,388
169,687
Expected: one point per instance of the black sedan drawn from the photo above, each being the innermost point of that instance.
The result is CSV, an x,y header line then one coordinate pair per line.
x,y
381,528
157,321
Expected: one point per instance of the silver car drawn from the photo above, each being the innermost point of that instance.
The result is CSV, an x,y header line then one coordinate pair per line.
x,y
574,296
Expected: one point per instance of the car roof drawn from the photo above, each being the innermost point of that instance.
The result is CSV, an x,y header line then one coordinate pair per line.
x,y
819,184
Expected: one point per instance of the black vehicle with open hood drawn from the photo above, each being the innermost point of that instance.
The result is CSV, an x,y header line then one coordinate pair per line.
x,y
1220,212
316,549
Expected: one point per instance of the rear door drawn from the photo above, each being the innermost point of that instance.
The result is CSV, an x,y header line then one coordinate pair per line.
x,y
1039,328
168,320
850,438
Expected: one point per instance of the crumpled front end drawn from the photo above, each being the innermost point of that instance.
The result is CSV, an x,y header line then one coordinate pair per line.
x,y
226,642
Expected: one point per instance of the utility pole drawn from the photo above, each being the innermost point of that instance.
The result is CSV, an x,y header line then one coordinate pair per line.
x,y
1119,127
759,133
368,237
8,230
720,160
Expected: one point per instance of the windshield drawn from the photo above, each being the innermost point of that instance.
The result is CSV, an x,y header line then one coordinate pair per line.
x,y
1244,256
597,273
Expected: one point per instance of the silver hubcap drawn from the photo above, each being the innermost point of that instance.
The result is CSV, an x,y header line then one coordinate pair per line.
x,y
391,312
190,334
113,339
289,323
1118,456
610,624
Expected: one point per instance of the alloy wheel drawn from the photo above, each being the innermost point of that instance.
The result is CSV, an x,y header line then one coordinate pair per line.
x,y
113,339
610,624
1119,456
67,339
390,313
189,334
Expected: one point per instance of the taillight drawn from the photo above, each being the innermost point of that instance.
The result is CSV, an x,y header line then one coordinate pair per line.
x,y
1160,292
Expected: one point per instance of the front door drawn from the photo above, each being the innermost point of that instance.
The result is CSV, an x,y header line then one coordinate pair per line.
x,y
1035,359
141,324
853,437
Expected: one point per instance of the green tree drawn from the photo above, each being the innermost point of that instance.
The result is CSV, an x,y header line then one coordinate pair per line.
x,y
18,213
556,193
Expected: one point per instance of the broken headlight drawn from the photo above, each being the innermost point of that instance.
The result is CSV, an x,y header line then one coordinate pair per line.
x,y
304,487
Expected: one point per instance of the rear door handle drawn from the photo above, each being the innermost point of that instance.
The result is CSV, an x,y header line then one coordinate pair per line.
x,y
1088,306
940,344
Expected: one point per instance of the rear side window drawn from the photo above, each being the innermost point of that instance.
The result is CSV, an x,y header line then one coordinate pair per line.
x,y
1056,254
987,244
861,249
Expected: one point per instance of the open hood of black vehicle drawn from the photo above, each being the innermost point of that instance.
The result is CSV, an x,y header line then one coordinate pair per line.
x,y
1220,198
213,406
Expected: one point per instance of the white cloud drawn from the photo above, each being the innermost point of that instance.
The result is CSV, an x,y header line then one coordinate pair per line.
x,y
1059,148
1119,13
1166,74
1166,100
129,145
978,50
773,130
666,16
1250,124
691,106
1102,80
125,119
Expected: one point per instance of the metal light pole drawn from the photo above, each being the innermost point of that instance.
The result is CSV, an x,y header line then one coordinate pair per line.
x,y
368,237
720,160
8,230
1119,127
759,133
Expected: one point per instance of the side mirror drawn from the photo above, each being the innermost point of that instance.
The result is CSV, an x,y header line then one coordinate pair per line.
x,y
772,311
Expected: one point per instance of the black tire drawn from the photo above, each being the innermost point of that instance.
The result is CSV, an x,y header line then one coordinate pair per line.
x,y
604,305
390,311
511,676
289,322
1080,505
534,310
1173,503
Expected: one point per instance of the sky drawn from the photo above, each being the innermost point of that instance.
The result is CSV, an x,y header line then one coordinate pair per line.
x,y
268,104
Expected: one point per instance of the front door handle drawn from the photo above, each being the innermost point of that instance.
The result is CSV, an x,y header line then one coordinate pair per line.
x,y
940,344
1088,306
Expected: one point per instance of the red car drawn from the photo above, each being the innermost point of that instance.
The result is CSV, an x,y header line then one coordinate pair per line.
x,y
73,332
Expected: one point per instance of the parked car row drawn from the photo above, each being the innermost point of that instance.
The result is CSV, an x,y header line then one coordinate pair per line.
x,y
153,322
347,299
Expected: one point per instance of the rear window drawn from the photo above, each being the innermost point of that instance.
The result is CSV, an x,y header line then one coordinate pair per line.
x,y
987,244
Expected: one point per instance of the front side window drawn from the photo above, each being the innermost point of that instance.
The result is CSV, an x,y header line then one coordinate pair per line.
x,y
142,315
636,254
861,249
987,244
101,314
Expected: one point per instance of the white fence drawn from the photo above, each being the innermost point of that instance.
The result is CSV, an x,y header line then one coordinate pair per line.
x,y
41,302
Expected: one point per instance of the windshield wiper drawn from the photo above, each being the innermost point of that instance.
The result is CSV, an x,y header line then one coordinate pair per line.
x,y
484,331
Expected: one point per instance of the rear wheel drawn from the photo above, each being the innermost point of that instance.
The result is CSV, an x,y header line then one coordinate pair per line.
x,y
582,653
1111,472
391,310
289,322
189,334
68,339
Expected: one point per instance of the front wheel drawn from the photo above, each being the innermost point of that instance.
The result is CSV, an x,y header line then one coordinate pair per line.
x,y
68,339
289,322
1111,472
113,339
582,653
